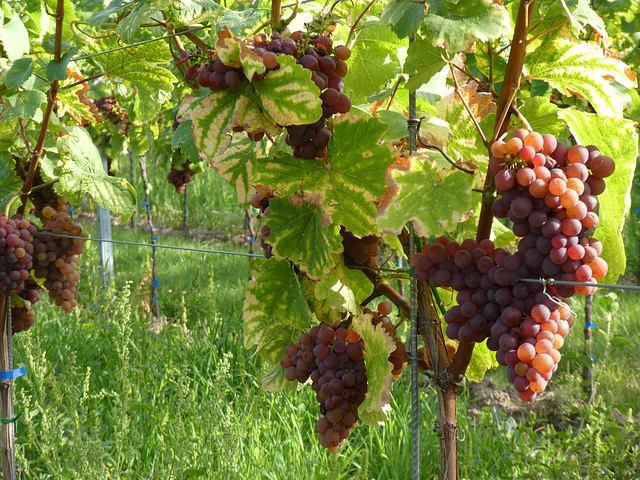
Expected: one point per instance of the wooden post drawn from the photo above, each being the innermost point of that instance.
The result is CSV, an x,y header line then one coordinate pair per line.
x,y
104,232
6,393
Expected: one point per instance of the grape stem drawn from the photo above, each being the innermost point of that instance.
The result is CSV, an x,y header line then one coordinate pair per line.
x,y
464,102
353,28
522,119
447,158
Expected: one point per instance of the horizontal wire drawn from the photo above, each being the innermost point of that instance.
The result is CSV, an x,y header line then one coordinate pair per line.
x,y
578,284
190,249
136,44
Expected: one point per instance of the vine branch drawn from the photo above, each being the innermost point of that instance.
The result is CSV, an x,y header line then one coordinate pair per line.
x,y
51,100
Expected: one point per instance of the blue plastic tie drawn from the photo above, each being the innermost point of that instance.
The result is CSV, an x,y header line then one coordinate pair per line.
x,y
184,214
637,210
151,227
591,325
155,283
11,374
154,299
145,203
250,240
71,209
154,239
83,204
148,209
132,164
593,357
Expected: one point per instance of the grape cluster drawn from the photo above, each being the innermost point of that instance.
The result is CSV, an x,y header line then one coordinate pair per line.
x,y
110,108
16,235
23,317
494,304
549,192
262,204
334,360
360,251
180,178
214,75
56,257
380,317
316,54
327,72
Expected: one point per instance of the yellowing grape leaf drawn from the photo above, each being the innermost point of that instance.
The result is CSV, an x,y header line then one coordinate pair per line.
x,y
338,288
433,199
482,360
378,345
348,184
582,69
235,165
235,53
617,139
74,101
298,235
288,95
274,315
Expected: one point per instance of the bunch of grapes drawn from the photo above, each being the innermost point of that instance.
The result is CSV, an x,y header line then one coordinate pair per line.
x,y
380,317
549,192
334,360
56,257
180,178
23,317
360,251
110,108
494,304
327,72
16,235
214,75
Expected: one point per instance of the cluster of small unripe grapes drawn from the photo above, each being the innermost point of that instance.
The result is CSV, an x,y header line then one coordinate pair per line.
x,y
180,178
262,204
334,360
315,53
56,257
549,192
360,251
494,304
380,317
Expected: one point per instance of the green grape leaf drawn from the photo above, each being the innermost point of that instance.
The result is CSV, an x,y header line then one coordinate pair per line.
x,y
298,235
14,37
433,199
320,308
582,69
182,134
423,62
139,14
273,376
19,73
464,23
373,61
482,360
349,183
542,116
274,315
378,345
467,144
583,15
154,84
403,16
617,139
338,288
235,165
82,172
396,122
238,21
192,12
235,53
58,70
9,184
30,102
288,95
101,16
